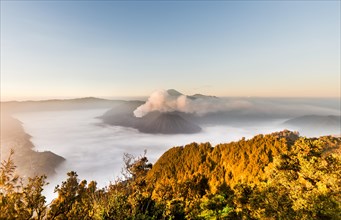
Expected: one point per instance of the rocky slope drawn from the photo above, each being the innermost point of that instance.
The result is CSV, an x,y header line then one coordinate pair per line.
x,y
28,161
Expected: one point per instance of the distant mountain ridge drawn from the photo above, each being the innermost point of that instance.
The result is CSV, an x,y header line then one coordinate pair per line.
x,y
313,124
58,104
316,120
231,112
122,115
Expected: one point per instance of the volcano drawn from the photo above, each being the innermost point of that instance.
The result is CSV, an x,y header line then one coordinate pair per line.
x,y
166,123
153,123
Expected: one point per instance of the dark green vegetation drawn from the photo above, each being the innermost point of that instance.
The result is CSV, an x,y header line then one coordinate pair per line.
x,y
275,176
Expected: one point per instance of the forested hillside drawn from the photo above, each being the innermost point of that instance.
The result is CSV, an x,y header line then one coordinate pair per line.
x,y
275,176
242,161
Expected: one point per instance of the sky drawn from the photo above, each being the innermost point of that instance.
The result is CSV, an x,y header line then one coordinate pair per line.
x,y
60,49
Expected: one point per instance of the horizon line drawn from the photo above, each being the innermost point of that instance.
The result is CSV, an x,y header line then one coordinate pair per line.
x,y
130,98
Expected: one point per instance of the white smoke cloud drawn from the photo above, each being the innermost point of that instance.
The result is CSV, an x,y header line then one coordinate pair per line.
x,y
163,101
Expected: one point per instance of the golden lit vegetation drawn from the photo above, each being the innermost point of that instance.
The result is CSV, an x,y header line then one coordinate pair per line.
x,y
275,176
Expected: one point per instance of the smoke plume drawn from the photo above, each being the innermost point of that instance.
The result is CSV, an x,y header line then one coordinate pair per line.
x,y
171,100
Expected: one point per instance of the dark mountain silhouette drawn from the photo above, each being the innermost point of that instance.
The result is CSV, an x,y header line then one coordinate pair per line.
x,y
154,122
176,122
243,113
174,92
315,121
313,124
201,96
166,123
122,115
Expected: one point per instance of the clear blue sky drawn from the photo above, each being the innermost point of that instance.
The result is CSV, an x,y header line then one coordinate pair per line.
x,y
116,48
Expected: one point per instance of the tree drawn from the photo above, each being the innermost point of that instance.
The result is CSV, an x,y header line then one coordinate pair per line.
x,y
76,200
8,179
131,198
17,200
33,199
304,183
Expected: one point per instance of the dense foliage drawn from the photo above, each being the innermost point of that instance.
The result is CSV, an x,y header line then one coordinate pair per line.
x,y
276,176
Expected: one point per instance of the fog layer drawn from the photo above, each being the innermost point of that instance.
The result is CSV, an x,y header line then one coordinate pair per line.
x,y
95,151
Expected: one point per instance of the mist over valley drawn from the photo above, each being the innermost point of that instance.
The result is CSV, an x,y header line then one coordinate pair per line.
x,y
93,136
170,110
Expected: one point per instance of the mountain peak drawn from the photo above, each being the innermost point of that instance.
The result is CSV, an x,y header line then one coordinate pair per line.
x,y
174,92
201,96
167,123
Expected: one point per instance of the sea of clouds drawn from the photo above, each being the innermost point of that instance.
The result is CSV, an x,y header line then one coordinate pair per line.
x,y
95,151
